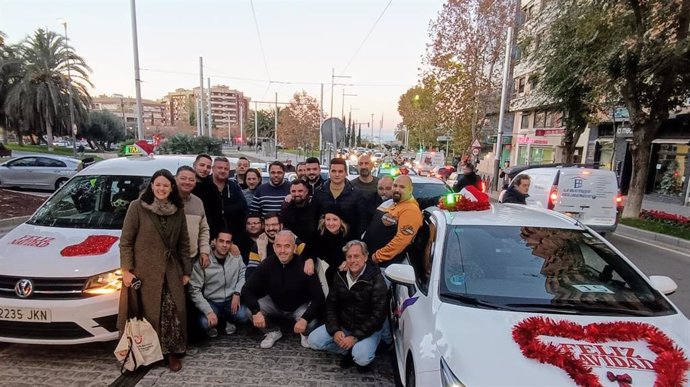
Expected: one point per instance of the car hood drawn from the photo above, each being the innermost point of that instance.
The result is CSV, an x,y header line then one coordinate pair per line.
x,y
39,251
478,346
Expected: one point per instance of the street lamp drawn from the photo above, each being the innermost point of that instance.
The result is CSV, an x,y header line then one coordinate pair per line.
x,y
73,127
342,109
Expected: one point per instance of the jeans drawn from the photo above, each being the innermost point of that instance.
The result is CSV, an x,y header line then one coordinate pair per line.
x,y
271,311
363,352
224,313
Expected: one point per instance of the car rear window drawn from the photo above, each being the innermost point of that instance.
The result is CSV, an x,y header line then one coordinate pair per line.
x,y
91,202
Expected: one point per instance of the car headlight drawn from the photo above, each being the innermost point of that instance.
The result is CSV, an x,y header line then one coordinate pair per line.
x,y
106,283
448,379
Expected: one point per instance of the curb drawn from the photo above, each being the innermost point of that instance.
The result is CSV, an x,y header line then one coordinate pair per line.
x,y
653,238
6,225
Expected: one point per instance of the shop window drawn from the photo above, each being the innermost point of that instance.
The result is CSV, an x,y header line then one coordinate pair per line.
x,y
541,155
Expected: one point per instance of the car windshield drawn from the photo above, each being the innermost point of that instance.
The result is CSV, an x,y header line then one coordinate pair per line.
x,y
428,190
91,202
559,270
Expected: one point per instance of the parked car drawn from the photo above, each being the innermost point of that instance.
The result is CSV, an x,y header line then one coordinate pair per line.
x,y
60,275
586,194
535,292
38,171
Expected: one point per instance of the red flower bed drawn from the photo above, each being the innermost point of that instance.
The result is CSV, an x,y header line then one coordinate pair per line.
x,y
666,218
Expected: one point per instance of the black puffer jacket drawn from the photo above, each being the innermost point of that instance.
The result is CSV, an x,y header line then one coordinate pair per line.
x,y
351,204
360,309
512,195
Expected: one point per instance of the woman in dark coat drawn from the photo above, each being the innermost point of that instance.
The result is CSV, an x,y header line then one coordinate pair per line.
x,y
154,248
331,235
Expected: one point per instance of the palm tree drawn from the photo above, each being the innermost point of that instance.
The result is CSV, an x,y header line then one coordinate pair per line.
x,y
11,71
41,97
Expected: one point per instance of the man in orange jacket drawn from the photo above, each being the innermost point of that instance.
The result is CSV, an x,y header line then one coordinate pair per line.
x,y
394,225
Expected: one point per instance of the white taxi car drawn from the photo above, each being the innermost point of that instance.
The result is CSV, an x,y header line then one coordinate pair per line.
x,y
59,272
520,296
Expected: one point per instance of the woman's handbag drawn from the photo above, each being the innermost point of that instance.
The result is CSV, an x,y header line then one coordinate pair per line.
x,y
139,344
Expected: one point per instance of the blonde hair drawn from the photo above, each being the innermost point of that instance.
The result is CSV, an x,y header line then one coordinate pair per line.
x,y
344,228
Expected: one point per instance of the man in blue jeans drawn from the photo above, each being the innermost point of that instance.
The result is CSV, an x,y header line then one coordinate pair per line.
x,y
356,310
215,290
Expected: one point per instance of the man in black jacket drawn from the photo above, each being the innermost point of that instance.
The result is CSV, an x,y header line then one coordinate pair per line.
x,y
469,177
517,192
339,192
301,214
280,289
313,170
355,310
224,202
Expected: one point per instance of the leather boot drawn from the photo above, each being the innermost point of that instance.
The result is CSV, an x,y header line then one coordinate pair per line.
x,y
174,363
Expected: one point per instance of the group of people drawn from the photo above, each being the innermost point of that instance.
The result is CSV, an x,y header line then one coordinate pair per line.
x,y
213,248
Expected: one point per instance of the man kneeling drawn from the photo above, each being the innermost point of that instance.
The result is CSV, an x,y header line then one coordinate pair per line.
x,y
280,289
216,290
355,310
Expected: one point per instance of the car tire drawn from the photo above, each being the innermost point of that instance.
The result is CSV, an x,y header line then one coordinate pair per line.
x,y
410,376
60,182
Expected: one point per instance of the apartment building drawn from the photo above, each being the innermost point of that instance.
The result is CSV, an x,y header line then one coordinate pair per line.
x,y
153,112
537,128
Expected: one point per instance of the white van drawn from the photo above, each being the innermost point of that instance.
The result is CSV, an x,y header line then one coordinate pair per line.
x,y
424,162
588,195
60,273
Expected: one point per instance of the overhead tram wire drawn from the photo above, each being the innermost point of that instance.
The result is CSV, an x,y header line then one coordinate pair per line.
x,y
261,46
366,37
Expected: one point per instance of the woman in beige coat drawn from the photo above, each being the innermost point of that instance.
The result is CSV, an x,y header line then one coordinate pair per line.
x,y
154,248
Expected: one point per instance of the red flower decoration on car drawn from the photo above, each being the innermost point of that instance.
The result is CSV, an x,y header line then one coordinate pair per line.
x,y
93,245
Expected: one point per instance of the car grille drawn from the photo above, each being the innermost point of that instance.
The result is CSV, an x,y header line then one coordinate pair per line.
x,y
35,330
45,288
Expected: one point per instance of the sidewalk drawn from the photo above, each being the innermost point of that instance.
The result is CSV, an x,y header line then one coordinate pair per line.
x,y
671,205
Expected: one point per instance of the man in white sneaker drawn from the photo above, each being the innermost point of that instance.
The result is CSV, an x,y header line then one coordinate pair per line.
x,y
279,289
215,290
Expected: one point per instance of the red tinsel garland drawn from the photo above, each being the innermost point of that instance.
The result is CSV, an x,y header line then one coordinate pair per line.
x,y
670,364
93,245
463,204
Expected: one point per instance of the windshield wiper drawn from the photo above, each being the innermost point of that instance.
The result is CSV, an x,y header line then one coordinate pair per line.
x,y
477,302
570,308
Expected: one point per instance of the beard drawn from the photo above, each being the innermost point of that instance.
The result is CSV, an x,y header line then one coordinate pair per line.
x,y
396,198
365,172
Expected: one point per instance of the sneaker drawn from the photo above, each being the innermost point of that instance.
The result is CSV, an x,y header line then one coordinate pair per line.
x,y
230,328
212,332
305,341
270,339
363,369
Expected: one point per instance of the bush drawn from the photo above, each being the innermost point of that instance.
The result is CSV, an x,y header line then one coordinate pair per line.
x,y
665,218
183,144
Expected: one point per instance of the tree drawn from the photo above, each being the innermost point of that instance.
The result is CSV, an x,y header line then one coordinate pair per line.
x,y
419,114
11,72
464,61
41,98
265,120
103,128
562,77
298,123
644,54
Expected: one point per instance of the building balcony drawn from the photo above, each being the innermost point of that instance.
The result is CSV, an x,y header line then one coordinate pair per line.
x,y
527,101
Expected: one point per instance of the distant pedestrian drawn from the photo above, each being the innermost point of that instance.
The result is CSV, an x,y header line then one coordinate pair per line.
x,y
469,177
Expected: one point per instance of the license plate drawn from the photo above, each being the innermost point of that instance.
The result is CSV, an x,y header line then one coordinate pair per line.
x,y
574,215
25,314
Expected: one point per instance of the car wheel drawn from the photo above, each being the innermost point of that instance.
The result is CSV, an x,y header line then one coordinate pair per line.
x,y
60,182
410,377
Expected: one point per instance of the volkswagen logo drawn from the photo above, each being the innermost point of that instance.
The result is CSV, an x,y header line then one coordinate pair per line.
x,y
24,288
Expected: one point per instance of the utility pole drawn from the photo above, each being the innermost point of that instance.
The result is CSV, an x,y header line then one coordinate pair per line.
x,y
198,118
321,122
333,77
201,96
210,115
342,109
256,125
276,127
241,123
137,77
372,128
229,135
73,127
381,127
501,114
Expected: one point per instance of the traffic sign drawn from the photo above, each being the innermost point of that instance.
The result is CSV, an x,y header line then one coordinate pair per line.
x,y
475,151
476,144
443,138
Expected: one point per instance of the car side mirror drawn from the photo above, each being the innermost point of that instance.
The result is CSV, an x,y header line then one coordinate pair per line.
x,y
663,284
401,274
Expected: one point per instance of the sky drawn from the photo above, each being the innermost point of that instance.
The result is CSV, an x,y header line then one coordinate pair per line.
x,y
302,41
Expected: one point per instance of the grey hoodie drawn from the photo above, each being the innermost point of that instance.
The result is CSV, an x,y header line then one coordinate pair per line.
x,y
216,283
